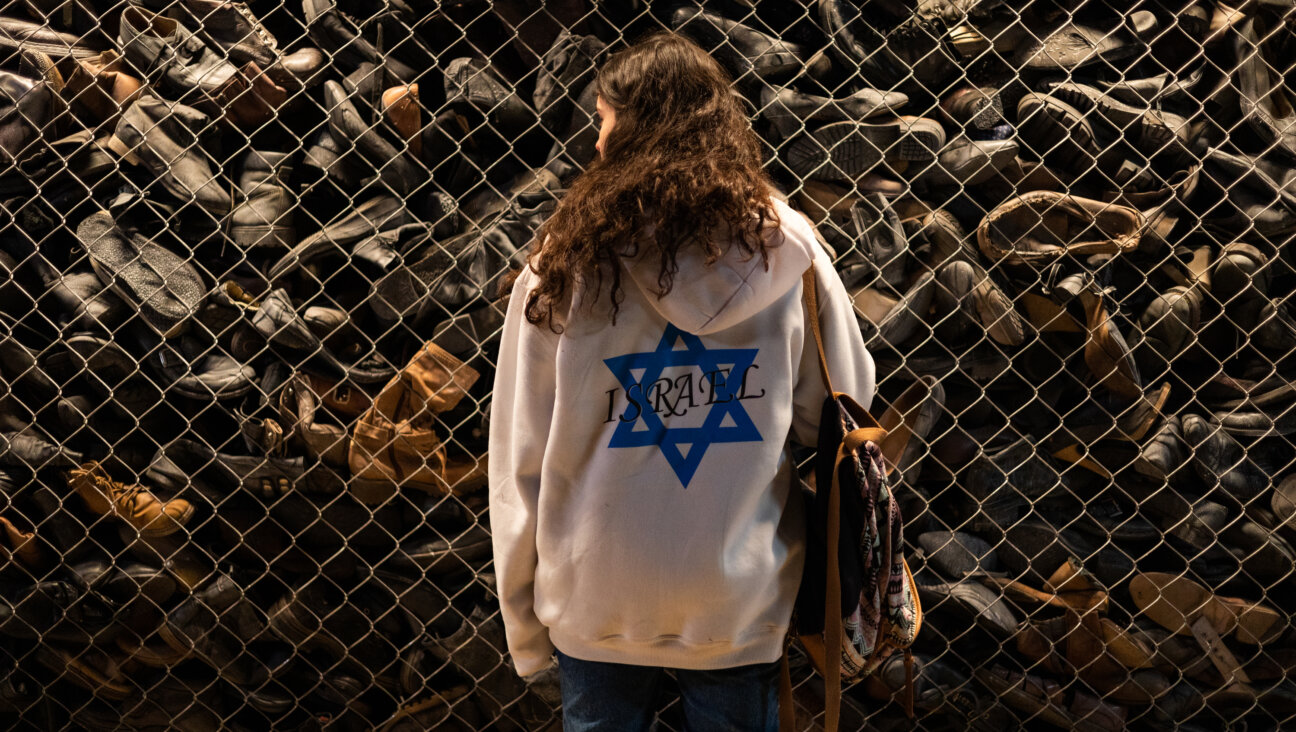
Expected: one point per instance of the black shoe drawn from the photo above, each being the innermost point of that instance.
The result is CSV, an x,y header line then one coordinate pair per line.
x,y
1151,131
28,106
23,369
1075,43
1003,481
788,111
158,46
857,43
847,150
59,610
275,321
34,450
18,35
126,581
334,33
447,277
165,138
216,624
196,369
65,533
468,550
112,371
473,84
244,96
231,28
337,239
217,475
1035,549
741,48
956,554
394,167
1264,97
477,649
263,217
569,65
1164,453
1240,473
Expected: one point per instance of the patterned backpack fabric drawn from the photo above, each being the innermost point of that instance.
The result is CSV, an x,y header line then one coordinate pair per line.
x,y
857,604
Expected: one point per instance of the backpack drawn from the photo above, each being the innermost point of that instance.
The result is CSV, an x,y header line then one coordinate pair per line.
x,y
857,604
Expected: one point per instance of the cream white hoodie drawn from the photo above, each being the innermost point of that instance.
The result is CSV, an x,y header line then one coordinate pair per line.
x,y
640,473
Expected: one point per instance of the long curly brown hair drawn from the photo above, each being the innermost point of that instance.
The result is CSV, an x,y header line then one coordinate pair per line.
x,y
681,169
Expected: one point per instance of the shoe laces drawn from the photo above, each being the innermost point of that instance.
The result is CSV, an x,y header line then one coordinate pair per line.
x,y
270,41
121,495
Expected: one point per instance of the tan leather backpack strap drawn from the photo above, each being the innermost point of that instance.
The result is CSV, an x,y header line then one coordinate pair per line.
x,y
832,603
787,708
810,294
909,683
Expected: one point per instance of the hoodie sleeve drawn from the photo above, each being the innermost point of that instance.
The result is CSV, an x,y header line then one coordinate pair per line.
x,y
849,362
521,412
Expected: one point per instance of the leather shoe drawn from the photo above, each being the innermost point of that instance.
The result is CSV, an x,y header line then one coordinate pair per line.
x,y
165,139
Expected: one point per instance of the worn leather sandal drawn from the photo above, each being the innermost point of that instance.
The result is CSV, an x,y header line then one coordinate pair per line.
x,y
1115,661
1176,602
1070,587
1043,226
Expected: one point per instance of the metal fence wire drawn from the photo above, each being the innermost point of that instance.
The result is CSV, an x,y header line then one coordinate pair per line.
x,y
249,308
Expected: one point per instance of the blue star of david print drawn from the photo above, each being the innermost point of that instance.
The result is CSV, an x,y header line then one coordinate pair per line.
x,y
684,447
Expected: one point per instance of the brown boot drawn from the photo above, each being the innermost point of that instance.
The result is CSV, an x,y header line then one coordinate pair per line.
x,y
396,442
18,545
250,98
97,88
132,503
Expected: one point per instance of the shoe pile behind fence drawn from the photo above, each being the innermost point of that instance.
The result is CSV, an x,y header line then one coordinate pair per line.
x,y
252,255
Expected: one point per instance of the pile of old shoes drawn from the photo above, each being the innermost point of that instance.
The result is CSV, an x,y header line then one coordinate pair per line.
x,y
249,275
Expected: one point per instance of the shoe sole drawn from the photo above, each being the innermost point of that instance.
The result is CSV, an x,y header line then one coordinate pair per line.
x,y
283,624
1155,131
848,150
261,237
985,111
152,530
1015,694
994,311
128,273
1058,130
976,168
173,640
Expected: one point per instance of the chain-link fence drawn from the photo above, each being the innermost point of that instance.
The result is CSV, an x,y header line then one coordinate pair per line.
x,y
253,256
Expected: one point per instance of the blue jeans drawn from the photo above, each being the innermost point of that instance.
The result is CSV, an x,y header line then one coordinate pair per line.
x,y
614,697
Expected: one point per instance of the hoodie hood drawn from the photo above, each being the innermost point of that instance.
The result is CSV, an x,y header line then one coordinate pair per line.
x,y
737,286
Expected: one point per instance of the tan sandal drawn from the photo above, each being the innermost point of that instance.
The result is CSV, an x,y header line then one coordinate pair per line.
x,y
1176,602
1070,587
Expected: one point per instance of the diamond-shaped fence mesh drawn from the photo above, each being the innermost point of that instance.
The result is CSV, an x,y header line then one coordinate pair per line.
x,y
252,263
